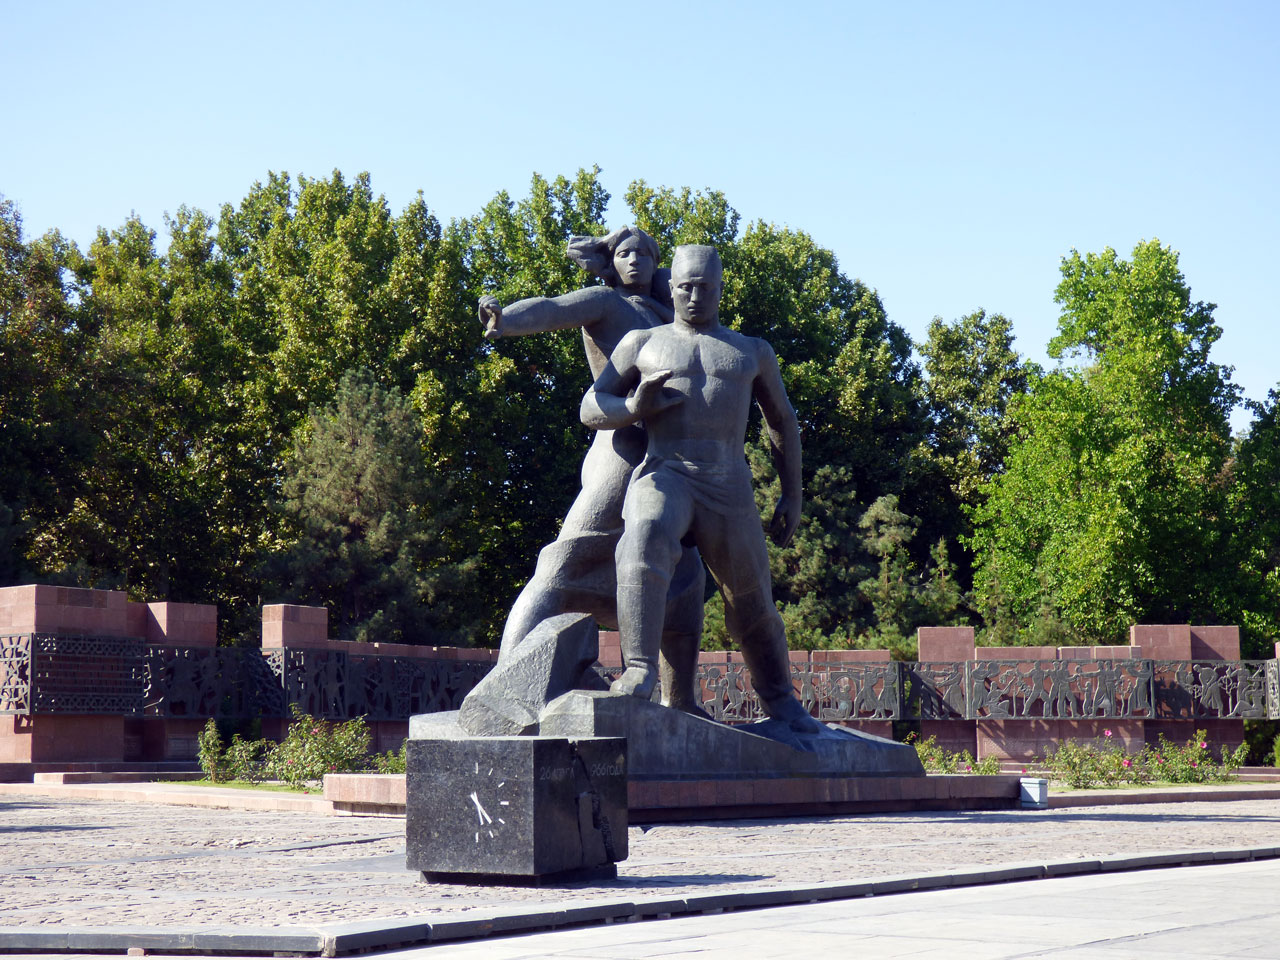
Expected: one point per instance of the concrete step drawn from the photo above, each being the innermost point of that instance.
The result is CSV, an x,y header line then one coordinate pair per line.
x,y
115,776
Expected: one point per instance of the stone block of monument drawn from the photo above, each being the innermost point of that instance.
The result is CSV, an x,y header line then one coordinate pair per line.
x,y
668,744
503,809
554,658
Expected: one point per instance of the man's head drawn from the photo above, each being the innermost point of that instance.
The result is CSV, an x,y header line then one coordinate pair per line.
x,y
696,277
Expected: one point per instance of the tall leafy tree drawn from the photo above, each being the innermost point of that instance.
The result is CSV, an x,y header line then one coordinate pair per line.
x,y
44,435
973,371
1111,507
1255,529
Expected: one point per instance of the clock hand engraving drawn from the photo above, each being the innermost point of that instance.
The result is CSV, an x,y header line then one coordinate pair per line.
x,y
481,812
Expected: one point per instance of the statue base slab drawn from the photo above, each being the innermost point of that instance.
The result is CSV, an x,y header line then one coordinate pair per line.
x,y
667,744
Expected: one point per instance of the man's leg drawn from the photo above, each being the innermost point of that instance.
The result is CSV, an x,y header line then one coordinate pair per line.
x,y
656,515
738,558
682,635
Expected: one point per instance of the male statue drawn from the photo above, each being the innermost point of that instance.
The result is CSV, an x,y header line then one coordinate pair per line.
x,y
692,383
575,573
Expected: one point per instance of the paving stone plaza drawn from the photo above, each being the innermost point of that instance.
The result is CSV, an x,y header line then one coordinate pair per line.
x,y
74,864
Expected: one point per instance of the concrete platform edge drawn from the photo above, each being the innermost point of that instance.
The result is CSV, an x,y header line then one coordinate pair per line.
x,y
341,939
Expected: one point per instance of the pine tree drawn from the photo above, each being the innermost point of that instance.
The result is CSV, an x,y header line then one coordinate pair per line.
x,y
367,517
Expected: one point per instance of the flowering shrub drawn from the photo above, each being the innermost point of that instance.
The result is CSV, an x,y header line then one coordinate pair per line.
x,y
936,759
311,749
209,753
315,747
1104,762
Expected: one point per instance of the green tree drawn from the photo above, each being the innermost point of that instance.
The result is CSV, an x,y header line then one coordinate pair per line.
x,y
367,515
972,373
1255,527
1110,510
165,503
44,436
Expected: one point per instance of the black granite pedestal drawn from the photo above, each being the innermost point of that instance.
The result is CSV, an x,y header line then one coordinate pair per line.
x,y
516,809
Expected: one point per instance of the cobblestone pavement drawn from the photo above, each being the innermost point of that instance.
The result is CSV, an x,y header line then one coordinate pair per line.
x,y
97,863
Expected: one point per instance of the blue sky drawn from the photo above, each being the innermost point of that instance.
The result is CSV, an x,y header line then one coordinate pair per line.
x,y
949,154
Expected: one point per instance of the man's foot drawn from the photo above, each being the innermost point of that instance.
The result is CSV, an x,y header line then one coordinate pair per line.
x,y
791,712
637,681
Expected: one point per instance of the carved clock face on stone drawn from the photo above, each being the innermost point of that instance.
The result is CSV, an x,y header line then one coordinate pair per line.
x,y
490,799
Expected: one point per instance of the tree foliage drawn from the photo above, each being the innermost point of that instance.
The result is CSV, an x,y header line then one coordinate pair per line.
x,y
1110,510
367,518
170,407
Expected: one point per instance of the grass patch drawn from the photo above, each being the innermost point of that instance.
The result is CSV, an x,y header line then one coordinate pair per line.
x,y
243,785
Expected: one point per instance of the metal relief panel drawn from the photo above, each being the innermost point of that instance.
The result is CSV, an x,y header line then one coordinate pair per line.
x,y
727,693
1211,689
316,680
1058,689
856,691
936,691
15,674
442,684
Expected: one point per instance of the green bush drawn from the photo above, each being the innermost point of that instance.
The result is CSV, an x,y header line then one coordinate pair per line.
x,y
1192,762
936,759
245,759
309,750
392,762
209,753
1104,762
314,747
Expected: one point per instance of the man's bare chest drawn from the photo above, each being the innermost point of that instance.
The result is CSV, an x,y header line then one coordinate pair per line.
x,y
698,358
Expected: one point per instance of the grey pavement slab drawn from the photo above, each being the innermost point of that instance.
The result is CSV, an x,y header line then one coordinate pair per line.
x,y
1213,912
228,879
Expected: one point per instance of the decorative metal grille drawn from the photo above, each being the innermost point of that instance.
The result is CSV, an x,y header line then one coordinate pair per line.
x,y
15,674
96,675
106,675
1273,689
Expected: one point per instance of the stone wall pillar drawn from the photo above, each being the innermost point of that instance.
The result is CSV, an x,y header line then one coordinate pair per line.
x,y
80,739
948,645
1189,642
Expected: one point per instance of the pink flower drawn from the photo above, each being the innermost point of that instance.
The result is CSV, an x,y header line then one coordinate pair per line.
x,y
968,766
1202,744
289,763
1128,763
1024,769
1194,764
315,729
1106,733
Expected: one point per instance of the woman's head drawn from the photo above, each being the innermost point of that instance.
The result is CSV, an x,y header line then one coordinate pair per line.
x,y
625,258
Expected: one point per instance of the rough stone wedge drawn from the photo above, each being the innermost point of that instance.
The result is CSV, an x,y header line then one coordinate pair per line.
x,y
549,662
666,744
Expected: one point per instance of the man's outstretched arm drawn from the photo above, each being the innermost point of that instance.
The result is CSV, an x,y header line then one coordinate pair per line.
x,y
784,443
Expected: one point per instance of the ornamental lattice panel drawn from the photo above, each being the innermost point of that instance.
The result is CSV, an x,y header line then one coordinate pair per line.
x,y
15,674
